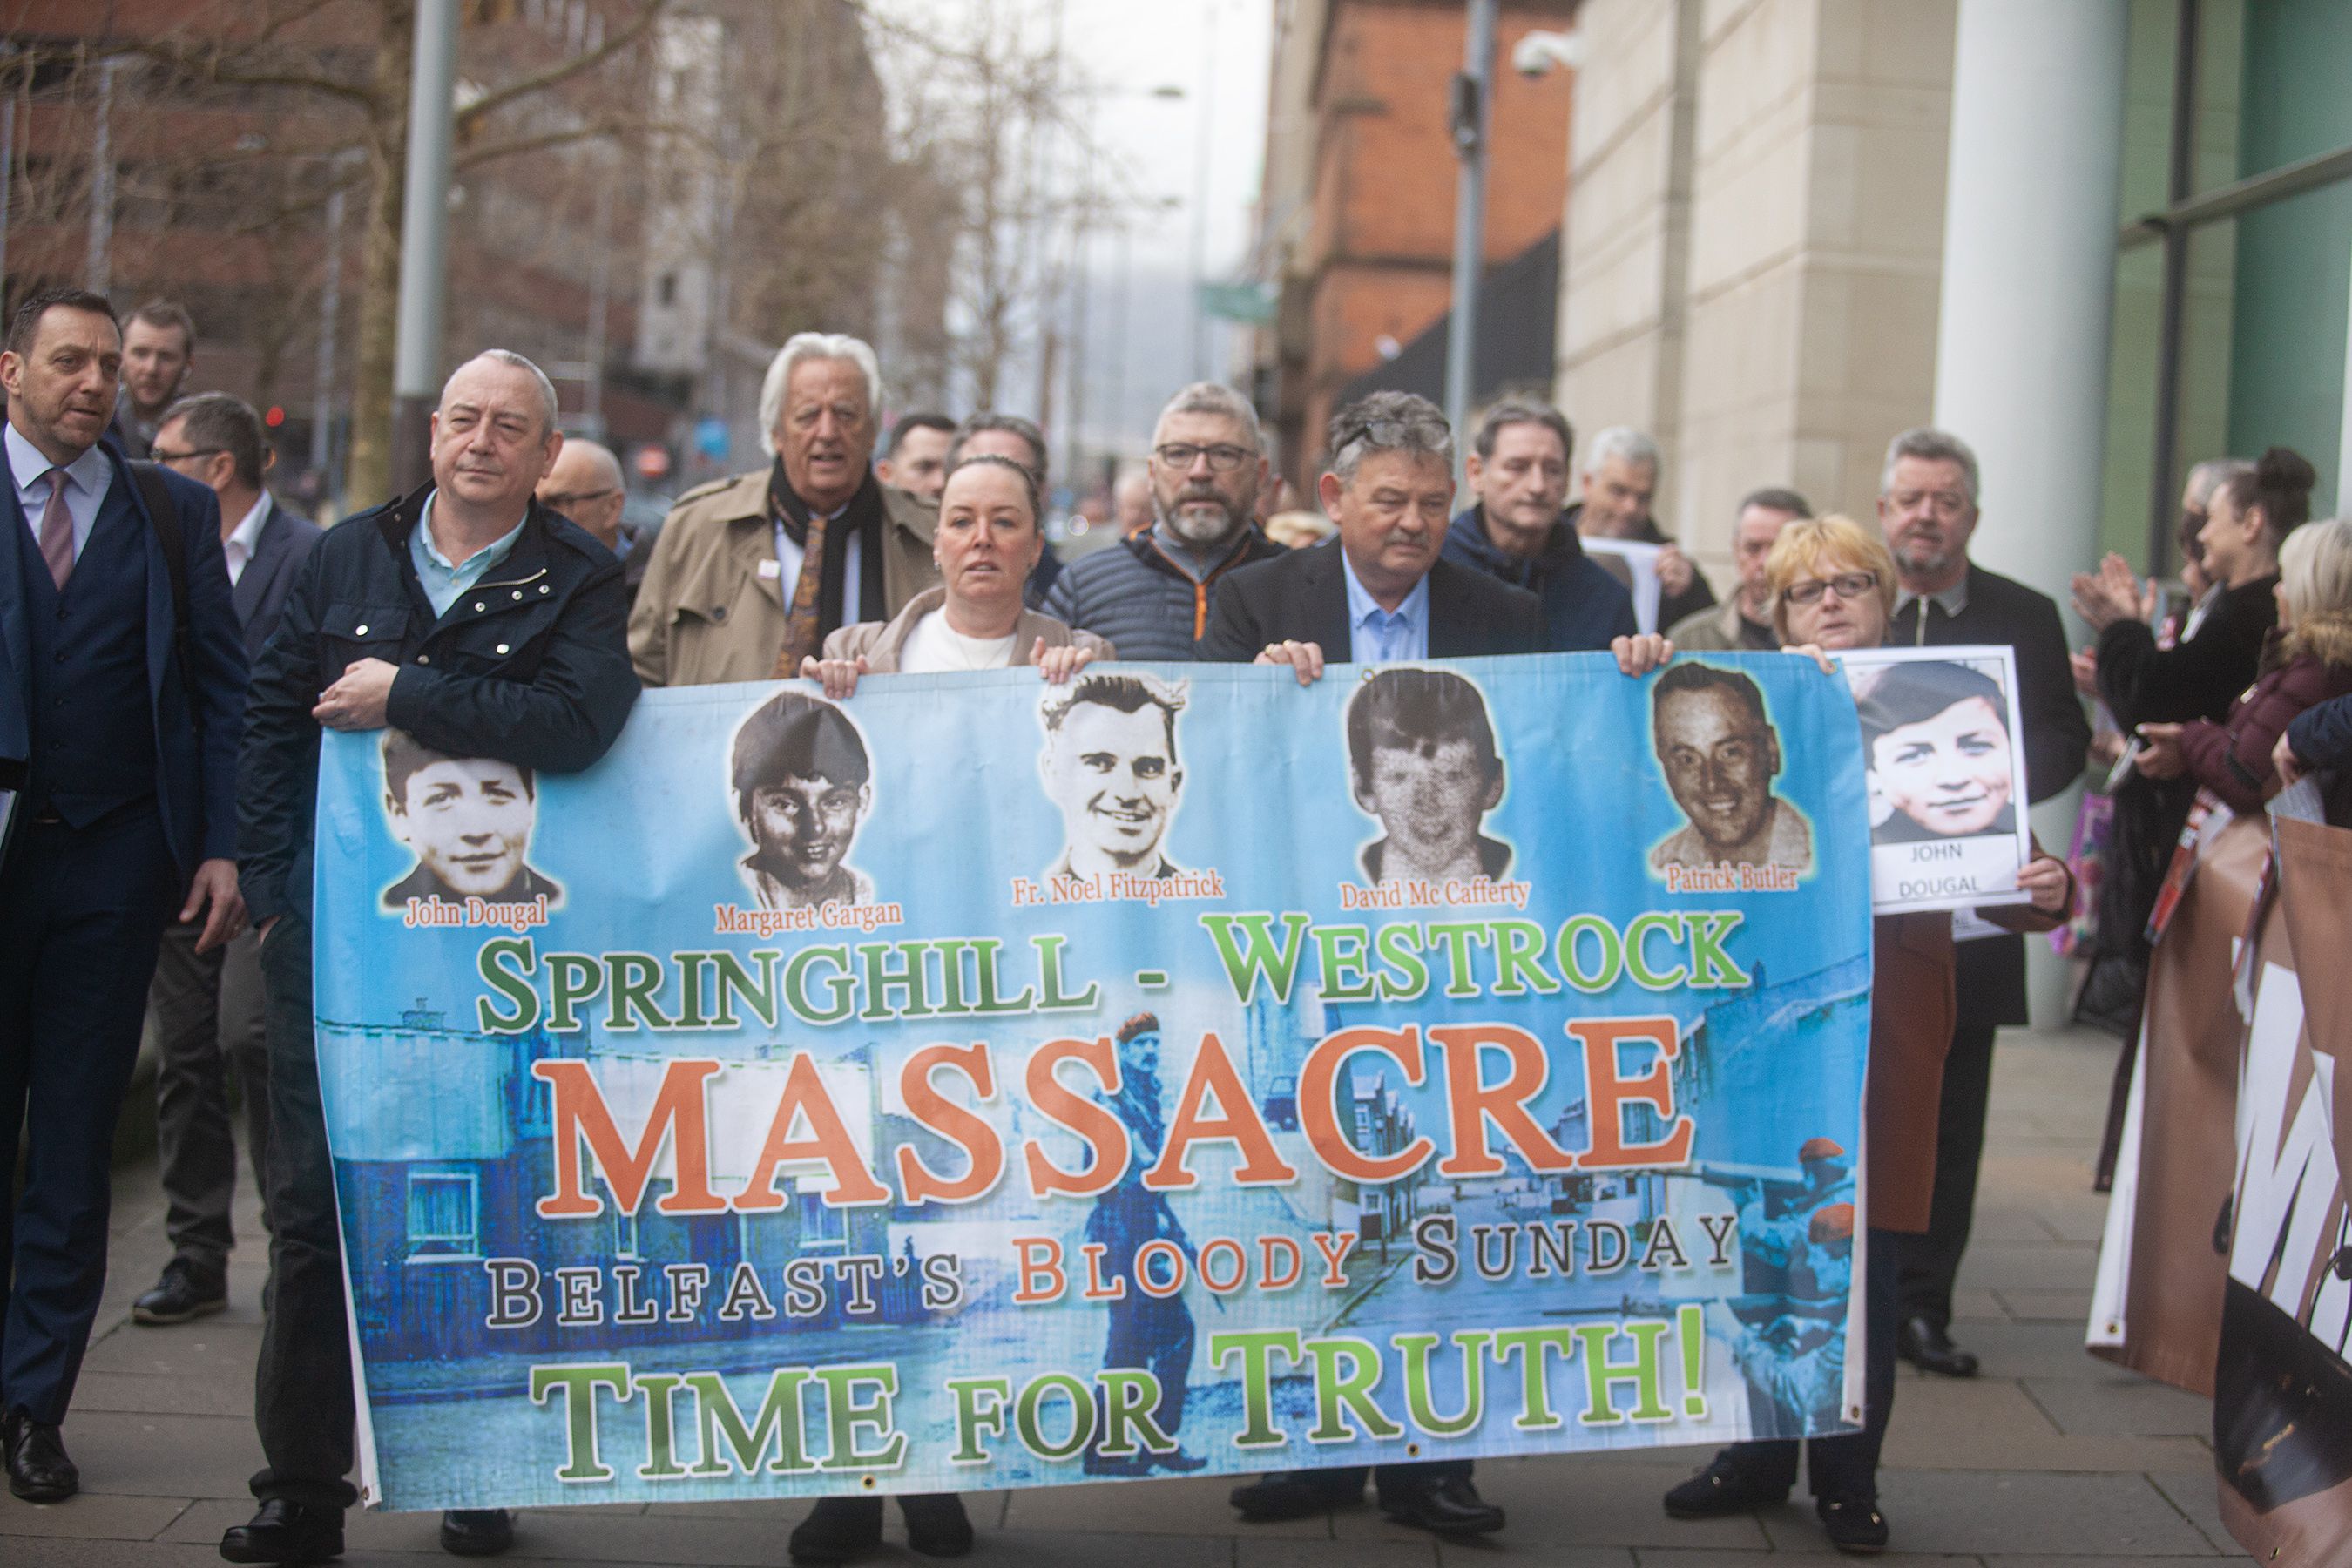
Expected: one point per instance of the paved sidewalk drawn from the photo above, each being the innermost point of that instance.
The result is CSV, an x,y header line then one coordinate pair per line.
x,y
2049,1460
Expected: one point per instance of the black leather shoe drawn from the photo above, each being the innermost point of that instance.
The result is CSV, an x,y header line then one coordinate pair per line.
x,y
1449,1507
1855,1526
937,1525
185,1291
837,1530
1295,1494
477,1532
286,1532
1922,1343
1721,1488
38,1470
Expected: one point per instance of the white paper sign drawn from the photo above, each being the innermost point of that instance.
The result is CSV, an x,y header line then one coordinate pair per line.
x,y
1945,750
1636,566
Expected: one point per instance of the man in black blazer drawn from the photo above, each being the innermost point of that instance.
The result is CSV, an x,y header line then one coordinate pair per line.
x,y
1928,507
1378,594
122,701
208,1007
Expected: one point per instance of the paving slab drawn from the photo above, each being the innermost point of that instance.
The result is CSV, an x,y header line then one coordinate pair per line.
x,y
1993,1423
91,1516
1195,1505
152,1455
2029,1264
2013,1349
1653,1558
2122,1403
2022,1512
2038,1306
2199,1498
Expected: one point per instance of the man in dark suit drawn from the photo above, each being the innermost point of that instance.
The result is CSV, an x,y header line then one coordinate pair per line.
x,y
124,703
1379,594
207,1007
1927,507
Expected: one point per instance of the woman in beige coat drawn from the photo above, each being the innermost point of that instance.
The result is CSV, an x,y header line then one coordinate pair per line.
x,y
989,536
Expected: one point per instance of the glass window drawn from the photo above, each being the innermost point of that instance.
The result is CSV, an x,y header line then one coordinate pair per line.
x,y
444,1214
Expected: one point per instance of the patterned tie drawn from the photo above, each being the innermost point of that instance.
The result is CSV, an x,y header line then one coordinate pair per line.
x,y
801,617
57,530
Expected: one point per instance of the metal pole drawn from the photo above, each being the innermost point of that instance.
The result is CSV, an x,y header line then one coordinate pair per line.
x,y
1202,155
7,174
1469,124
423,240
2172,317
100,265
600,302
331,302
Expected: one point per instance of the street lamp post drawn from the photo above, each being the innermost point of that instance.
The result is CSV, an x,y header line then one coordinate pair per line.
x,y
423,240
1469,118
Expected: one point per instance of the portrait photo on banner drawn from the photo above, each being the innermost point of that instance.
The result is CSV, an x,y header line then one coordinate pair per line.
x,y
1719,755
1940,746
468,822
1423,765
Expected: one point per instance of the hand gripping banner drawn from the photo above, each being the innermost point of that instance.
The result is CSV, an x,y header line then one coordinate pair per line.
x,y
977,1083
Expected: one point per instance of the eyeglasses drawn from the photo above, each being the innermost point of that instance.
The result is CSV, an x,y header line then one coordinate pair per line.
x,y
161,456
1222,458
566,502
1845,585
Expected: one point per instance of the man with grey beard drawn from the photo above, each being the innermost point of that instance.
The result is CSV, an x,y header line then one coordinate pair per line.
x,y
1148,594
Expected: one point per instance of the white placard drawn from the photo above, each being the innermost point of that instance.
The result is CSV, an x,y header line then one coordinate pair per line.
x,y
1945,750
1636,566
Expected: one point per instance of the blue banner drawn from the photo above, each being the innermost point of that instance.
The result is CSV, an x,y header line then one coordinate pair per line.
x,y
978,1084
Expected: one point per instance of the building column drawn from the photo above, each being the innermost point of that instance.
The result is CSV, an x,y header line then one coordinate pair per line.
x,y
2030,218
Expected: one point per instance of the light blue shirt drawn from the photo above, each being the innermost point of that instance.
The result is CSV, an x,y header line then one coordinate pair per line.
x,y
86,478
443,582
1385,636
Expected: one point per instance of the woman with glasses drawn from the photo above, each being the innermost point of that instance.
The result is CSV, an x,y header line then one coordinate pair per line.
x,y
1833,588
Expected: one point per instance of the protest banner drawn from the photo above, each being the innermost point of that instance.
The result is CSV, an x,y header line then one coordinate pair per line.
x,y
981,1084
2282,1388
2156,1305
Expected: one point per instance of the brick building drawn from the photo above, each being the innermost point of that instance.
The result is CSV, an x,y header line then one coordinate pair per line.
x,y
1356,219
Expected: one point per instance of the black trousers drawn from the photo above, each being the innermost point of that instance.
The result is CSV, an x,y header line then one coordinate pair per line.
x,y
1931,1262
302,1383
208,1010
80,912
1847,1466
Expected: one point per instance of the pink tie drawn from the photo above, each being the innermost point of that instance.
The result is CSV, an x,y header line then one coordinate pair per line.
x,y
57,530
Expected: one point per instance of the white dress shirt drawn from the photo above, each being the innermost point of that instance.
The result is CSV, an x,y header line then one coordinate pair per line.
x,y
86,478
240,544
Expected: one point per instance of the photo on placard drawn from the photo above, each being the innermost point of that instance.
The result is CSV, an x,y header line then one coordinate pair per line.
x,y
1423,765
468,821
1945,760
1109,766
803,786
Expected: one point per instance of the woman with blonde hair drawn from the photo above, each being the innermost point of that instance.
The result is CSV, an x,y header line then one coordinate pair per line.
x,y
1833,586
2308,662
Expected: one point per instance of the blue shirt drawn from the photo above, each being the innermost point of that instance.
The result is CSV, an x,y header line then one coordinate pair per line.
x,y
1385,636
443,582
87,478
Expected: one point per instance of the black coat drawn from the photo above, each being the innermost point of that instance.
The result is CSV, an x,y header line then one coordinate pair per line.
x,y
260,590
530,665
2200,677
1302,596
1990,976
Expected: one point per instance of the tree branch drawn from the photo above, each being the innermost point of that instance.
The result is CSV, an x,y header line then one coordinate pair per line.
x,y
469,119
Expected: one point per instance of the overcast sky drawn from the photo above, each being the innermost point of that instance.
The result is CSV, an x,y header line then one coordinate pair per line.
x,y
1128,48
